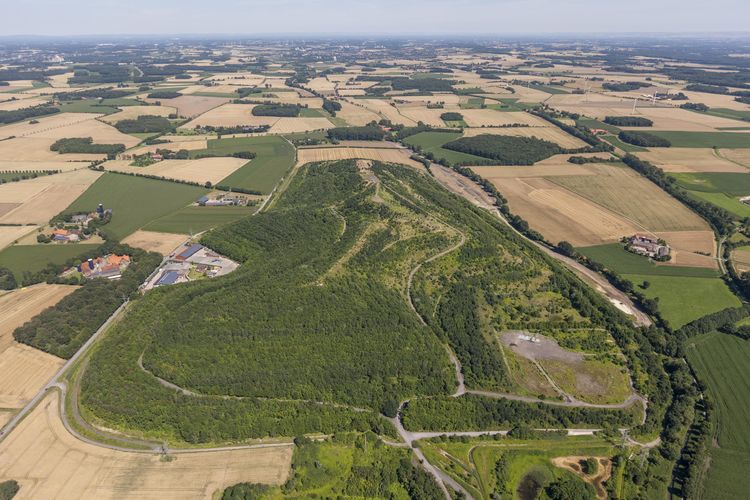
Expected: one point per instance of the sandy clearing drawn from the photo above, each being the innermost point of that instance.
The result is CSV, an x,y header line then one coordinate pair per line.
x,y
230,115
48,462
44,197
9,234
201,170
293,125
37,149
34,166
13,105
389,155
552,134
696,159
494,118
133,112
572,464
355,115
152,241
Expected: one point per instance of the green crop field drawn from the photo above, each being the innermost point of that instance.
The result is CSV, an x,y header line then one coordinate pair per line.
x,y
431,142
550,89
33,258
705,139
275,157
616,258
511,104
683,299
596,124
472,103
719,188
87,106
192,220
135,201
728,203
313,113
720,361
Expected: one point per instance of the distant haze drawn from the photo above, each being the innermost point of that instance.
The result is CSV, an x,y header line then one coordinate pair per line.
x,y
446,17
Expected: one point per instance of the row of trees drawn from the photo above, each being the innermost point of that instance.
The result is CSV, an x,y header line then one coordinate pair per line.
x,y
643,139
628,121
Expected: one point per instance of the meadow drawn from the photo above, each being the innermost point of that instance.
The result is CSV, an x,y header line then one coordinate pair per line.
x,y
135,201
705,139
193,220
432,142
683,299
719,188
23,259
720,362
274,158
615,257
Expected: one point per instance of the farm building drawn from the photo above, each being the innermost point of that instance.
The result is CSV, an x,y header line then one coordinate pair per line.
x,y
649,246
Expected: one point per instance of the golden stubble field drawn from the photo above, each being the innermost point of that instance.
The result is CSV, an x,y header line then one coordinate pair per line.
x,y
48,462
40,199
552,134
387,155
9,234
152,241
205,169
697,159
24,369
595,204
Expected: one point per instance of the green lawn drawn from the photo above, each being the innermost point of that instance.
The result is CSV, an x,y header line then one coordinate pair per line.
x,y
192,220
275,157
721,362
616,258
431,142
683,299
135,201
33,258
705,139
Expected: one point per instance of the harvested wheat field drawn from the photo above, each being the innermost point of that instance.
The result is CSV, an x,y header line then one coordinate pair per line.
x,y
49,462
20,305
35,166
741,259
696,159
188,145
493,118
152,241
190,106
321,85
37,149
690,248
388,155
420,113
552,134
741,156
355,115
60,81
624,192
46,125
384,109
230,115
294,125
684,120
9,234
42,198
205,169
133,112
12,105
447,99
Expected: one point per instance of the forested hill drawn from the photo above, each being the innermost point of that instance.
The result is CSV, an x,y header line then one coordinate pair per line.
x,y
320,312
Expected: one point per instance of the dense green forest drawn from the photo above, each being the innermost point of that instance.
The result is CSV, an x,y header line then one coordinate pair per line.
x,y
505,149
366,133
85,145
346,466
643,139
145,124
18,115
628,121
164,94
283,110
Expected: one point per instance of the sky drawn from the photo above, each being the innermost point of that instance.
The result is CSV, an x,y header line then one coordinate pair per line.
x,y
393,17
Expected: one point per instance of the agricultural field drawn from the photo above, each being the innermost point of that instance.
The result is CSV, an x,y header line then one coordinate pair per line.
x,y
135,201
133,112
552,134
387,155
153,241
720,361
689,160
728,140
274,158
21,259
11,234
723,189
74,469
25,369
193,220
432,142
202,171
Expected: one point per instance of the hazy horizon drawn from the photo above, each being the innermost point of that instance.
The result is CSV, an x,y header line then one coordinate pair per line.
x,y
386,17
